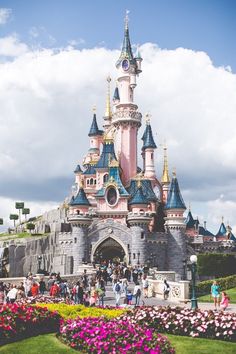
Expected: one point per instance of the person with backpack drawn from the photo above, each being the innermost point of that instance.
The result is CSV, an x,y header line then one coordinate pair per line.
x,y
117,288
166,290
137,293
145,286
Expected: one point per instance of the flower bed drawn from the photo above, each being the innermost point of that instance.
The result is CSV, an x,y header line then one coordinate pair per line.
x,y
98,335
20,321
179,321
73,311
44,299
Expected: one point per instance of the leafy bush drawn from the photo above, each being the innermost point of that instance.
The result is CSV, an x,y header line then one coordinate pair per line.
x,y
99,335
204,287
186,322
216,265
20,321
73,311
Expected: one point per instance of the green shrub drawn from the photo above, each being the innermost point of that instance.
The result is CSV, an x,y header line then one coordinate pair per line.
x,y
73,311
204,287
216,265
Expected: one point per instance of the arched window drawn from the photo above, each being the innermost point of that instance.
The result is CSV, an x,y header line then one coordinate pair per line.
x,y
105,178
91,181
142,235
95,181
87,182
152,155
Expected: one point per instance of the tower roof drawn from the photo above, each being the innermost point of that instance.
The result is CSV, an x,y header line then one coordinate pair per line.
x,y
90,170
146,189
94,131
174,199
222,230
139,197
126,51
116,96
148,141
78,169
80,199
190,222
108,154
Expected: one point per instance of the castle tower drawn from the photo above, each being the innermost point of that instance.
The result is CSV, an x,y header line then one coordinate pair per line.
x,y
175,227
148,151
165,179
95,137
126,118
80,220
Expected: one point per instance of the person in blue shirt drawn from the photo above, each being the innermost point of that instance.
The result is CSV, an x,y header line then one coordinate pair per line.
x,y
215,293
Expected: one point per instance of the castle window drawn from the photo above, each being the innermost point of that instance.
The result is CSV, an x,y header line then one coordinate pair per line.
x,y
111,196
91,181
75,240
105,178
133,255
152,155
142,235
95,181
87,182
77,211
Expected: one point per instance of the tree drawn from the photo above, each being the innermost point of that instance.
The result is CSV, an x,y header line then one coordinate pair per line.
x,y
1,221
25,211
30,226
14,217
19,206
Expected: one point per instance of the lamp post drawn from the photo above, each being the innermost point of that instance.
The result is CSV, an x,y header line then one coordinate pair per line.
x,y
184,268
39,262
138,257
193,260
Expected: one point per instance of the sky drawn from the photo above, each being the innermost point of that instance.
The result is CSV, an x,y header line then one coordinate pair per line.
x,y
54,60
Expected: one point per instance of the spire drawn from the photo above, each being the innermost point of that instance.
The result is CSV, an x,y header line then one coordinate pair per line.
x,y
139,197
148,141
190,222
165,175
80,199
94,131
174,199
126,51
108,112
222,230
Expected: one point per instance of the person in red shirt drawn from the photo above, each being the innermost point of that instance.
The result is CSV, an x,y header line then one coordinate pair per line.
x,y
34,289
54,290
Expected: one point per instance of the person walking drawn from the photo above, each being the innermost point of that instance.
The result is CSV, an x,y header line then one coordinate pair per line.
x,y
166,290
145,286
224,301
215,293
12,294
117,288
137,293
42,286
2,296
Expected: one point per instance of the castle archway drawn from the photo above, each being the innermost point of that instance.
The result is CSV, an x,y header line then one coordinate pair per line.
x,y
108,250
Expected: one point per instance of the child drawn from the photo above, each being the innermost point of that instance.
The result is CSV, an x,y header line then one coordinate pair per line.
x,y
224,301
129,298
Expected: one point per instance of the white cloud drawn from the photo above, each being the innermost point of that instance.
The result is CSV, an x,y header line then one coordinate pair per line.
x,y
11,46
4,15
46,98
220,207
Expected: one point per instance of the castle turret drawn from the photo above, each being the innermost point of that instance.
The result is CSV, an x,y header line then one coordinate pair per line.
x,y
165,179
175,227
96,136
126,118
148,150
80,220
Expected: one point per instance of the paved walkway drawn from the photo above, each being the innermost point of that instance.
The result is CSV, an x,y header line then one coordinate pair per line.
x,y
154,301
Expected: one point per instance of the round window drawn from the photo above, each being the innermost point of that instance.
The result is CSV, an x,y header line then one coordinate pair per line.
x,y
112,196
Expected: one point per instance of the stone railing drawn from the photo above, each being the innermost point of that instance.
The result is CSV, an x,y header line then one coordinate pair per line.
x,y
179,291
162,275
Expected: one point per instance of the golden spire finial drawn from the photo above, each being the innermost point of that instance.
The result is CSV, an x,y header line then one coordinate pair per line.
x,y
147,118
138,180
165,175
108,112
94,109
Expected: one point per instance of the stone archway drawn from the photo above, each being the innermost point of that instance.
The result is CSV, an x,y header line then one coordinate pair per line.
x,y
109,249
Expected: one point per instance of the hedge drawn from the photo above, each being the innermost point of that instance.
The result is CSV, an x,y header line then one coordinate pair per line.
x,y
225,283
216,265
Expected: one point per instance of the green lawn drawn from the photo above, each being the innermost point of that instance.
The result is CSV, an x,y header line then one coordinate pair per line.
x,y
49,344
230,292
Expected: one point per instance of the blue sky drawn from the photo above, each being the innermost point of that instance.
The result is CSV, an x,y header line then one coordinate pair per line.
x,y
207,25
49,82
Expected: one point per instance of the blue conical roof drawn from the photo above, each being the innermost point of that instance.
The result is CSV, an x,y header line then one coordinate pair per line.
x,y
80,199
232,237
190,222
174,199
94,131
148,141
116,96
139,198
222,230
108,154
90,170
114,176
126,51
78,169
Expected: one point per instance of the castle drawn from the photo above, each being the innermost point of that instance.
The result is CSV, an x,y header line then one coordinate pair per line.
x,y
118,210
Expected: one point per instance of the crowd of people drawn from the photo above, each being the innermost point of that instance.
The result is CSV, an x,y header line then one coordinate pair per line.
x,y
89,290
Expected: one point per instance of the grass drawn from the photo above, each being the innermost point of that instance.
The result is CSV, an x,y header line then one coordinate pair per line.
x,y
8,236
187,345
49,344
230,292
